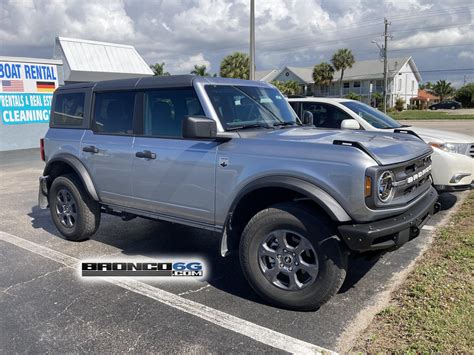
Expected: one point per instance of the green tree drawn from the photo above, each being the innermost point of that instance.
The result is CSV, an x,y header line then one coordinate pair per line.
x,y
443,89
236,65
159,69
200,70
323,74
465,95
290,87
352,96
342,60
377,98
399,104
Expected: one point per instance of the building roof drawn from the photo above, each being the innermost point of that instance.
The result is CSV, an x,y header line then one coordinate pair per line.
x,y
31,60
424,95
361,70
91,61
267,75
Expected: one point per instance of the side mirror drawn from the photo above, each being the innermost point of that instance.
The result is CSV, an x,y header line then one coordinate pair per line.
x,y
199,127
350,124
307,118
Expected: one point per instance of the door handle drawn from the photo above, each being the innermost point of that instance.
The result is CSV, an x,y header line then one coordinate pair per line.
x,y
146,154
91,149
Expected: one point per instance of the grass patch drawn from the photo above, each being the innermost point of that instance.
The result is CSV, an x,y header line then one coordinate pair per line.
x,y
428,115
433,311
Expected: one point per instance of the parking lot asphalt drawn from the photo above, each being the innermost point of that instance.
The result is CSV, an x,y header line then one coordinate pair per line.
x,y
457,126
46,306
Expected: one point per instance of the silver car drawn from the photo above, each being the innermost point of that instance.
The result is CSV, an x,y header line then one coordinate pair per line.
x,y
231,156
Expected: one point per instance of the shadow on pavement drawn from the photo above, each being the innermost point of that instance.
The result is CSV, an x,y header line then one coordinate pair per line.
x,y
142,237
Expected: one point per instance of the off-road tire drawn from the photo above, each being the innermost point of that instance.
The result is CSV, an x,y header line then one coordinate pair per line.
x,y
319,230
87,210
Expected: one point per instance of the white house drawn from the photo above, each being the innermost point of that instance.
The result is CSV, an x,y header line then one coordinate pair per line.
x,y
403,79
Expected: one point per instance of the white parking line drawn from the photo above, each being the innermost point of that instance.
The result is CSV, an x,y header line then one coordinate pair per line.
x,y
254,331
428,228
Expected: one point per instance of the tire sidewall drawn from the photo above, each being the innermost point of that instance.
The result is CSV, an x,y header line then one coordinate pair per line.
x,y
323,240
59,183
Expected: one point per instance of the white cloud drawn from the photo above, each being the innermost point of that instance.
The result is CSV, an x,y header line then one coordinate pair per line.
x,y
467,55
185,65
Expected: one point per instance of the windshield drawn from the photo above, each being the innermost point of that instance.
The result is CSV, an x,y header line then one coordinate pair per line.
x,y
250,106
374,117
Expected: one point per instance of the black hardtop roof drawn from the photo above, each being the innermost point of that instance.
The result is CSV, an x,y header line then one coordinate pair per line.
x,y
157,82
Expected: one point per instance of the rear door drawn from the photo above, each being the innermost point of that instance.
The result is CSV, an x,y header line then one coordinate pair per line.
x,y
171,175
106,149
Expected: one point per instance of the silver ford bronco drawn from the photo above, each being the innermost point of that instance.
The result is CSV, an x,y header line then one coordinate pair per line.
x,y
231,156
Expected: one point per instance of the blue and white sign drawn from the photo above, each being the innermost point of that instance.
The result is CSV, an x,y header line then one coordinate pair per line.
x,y
26,91
25,108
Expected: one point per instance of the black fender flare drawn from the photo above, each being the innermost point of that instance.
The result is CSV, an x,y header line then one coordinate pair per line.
x,y
322,198
79,169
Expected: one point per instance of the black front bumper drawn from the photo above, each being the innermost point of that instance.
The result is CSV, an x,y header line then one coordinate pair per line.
x,y
391,232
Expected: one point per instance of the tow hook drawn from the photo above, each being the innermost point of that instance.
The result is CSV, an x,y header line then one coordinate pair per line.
x,y
437,207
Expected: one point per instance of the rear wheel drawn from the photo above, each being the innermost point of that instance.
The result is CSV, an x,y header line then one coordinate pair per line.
x,y
292,257
74,213
453,107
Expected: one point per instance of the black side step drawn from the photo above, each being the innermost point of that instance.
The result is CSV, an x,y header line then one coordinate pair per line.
x,y
357,145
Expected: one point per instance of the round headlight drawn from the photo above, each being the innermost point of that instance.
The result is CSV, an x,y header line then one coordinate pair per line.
x,y
385,188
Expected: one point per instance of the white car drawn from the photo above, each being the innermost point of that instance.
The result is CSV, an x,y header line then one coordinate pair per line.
x,y
453,163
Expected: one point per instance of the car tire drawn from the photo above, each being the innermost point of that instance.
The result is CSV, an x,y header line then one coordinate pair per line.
x,y
74,213
328,270
453,107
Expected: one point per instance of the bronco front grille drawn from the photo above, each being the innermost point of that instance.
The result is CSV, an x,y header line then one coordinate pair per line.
x,y
411,180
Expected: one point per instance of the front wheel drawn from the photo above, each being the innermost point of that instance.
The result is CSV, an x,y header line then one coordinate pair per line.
x,y
74,213
292,257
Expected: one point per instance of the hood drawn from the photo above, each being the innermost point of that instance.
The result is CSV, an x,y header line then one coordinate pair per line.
x,y
439,136
387,148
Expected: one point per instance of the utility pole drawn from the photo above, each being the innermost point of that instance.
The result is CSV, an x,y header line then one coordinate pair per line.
x,y
385,64
252,40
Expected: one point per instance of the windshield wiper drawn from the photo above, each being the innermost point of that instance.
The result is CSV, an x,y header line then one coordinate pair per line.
x,y
282,124
256,125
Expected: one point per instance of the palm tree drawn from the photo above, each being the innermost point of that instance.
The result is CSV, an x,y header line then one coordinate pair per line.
x,y
200,70
443,88
236,65
290,87
341,60
159,69
323,74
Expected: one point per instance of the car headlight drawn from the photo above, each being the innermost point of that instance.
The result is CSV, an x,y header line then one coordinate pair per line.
x,y
460,148
385,188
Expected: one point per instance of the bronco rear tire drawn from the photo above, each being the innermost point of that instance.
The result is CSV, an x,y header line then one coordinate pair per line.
x,y
292,257
74,213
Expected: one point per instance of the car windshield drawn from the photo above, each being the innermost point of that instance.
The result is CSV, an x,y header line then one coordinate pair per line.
x,y
250,106
374,117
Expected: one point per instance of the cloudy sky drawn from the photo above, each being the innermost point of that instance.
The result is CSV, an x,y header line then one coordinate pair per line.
x,y
439,34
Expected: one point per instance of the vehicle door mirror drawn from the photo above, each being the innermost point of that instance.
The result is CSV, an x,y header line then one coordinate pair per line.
x,y
199,127
350,124
307,118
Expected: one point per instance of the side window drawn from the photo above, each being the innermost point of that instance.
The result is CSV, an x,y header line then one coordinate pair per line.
x,y
326,116
165,110
113,112
69,110
295,106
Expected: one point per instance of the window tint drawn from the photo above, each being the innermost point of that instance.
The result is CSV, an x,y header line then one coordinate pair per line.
x,y
69,110
165,110
113,112
326,116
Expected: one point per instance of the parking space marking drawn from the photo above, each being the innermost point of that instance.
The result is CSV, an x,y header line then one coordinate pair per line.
x,y
254,331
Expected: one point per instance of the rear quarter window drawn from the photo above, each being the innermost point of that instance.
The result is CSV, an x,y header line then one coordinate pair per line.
x,y
69,110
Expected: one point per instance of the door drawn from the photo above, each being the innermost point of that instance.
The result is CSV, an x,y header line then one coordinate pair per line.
x,y
106,149
171,175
